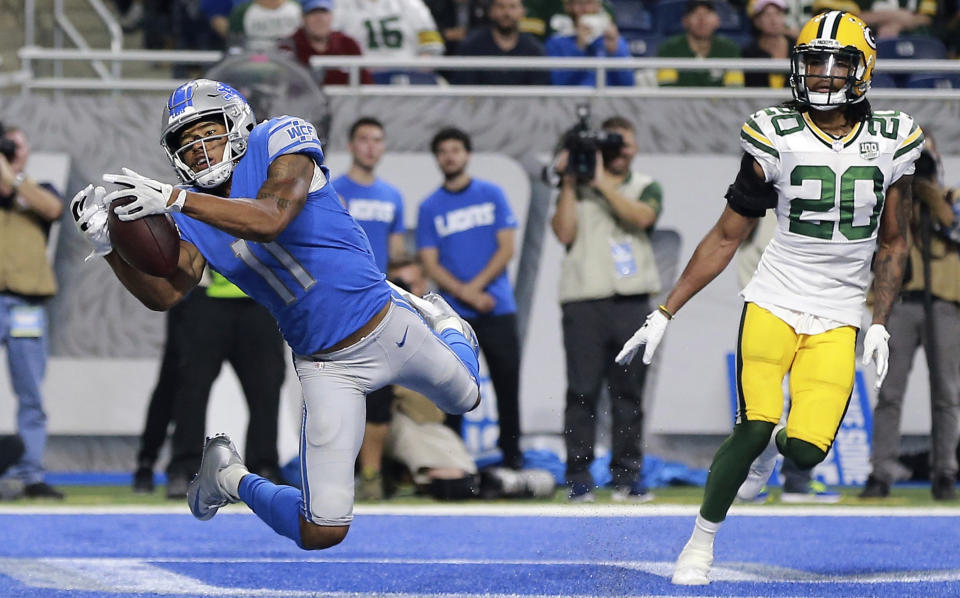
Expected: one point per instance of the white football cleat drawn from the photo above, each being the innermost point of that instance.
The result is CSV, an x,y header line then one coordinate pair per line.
x,y
760,470
205,494
693,566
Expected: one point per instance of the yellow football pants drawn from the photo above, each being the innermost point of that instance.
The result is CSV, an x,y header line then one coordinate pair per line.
x,y
821,370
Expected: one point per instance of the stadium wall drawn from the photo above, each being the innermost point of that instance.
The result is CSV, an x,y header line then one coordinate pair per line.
x,y
105,346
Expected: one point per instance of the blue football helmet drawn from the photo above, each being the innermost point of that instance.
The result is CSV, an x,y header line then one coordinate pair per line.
x,y
206,100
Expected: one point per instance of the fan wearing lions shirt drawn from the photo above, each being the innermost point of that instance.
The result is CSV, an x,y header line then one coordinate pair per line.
x,y
257,206
375,204
465,236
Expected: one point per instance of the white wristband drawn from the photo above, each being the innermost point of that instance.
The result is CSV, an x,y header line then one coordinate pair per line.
x,y
177,204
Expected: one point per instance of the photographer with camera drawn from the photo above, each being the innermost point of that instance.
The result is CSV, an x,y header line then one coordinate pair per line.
x,y
27,209
603,214
927,315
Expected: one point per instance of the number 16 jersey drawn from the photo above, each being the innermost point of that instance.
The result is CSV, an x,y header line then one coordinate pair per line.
x,y
831,194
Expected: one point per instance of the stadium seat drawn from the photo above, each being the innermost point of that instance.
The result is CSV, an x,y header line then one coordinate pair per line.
x,y
404,78
632,14
906,47
642,43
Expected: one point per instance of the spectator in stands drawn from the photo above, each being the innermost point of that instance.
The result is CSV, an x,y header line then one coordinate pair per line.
x,y
263,23
503,38
465,236
378,207
317,38
769,41
389,28
220,324
27,210
891,18
700,22
546,18
607,277
595,35
935,326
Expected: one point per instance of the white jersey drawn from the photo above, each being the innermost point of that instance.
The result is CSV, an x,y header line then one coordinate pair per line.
x,y
831,193
389,28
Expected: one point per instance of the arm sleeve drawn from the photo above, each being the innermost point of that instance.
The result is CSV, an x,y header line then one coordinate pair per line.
x,y
397,225
652,195
504,216
757,141
749,195
426,233
289,135
908,149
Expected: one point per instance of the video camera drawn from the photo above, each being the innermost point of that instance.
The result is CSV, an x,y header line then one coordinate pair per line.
x,y
582,144
8,147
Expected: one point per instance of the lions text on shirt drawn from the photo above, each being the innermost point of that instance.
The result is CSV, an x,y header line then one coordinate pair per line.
x,y
378,208
318,277
463,227
831,195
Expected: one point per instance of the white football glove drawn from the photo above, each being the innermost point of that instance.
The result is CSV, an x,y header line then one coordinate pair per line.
x,y
875,349
650,334
89,210
152,197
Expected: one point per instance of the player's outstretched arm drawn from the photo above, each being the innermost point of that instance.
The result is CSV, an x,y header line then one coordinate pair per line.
x,y
160,294
893,251
261,219
712,255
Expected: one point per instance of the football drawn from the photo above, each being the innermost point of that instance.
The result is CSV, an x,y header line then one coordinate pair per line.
x,y
150,244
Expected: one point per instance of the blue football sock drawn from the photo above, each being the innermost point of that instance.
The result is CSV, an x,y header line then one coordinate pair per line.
x,y
464,350
278,506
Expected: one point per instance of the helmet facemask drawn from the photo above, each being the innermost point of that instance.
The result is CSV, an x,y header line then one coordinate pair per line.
x,y
812,64
212,175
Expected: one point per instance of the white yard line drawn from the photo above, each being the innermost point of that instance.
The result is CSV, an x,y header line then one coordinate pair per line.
x,y
515,510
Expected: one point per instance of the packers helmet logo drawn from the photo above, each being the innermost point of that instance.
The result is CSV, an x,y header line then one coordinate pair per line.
x,y
868,36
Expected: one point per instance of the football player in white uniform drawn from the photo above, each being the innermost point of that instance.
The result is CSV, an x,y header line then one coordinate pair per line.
x,y
838,176
389,28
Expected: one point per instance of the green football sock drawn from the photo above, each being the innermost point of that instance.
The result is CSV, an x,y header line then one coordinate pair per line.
x,y
731,465
803,454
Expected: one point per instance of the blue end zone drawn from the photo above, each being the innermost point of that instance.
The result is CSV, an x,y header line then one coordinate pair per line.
x,y
96,555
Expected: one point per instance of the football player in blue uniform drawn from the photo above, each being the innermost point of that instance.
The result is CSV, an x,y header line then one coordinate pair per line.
x,y
258,207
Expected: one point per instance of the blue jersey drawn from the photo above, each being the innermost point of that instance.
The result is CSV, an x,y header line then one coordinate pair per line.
x,y
463,227
379,210
318,277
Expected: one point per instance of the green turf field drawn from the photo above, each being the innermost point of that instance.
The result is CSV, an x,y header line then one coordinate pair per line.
x,y
913,496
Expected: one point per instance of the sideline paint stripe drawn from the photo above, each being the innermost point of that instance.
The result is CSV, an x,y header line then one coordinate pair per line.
x,y
533,510
139,574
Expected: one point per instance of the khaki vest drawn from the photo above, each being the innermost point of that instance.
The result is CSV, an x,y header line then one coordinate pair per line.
x,y
944,268
24,268
589,270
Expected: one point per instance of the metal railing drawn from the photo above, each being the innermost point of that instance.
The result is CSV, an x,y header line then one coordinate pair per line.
x,y
354,64
66,27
